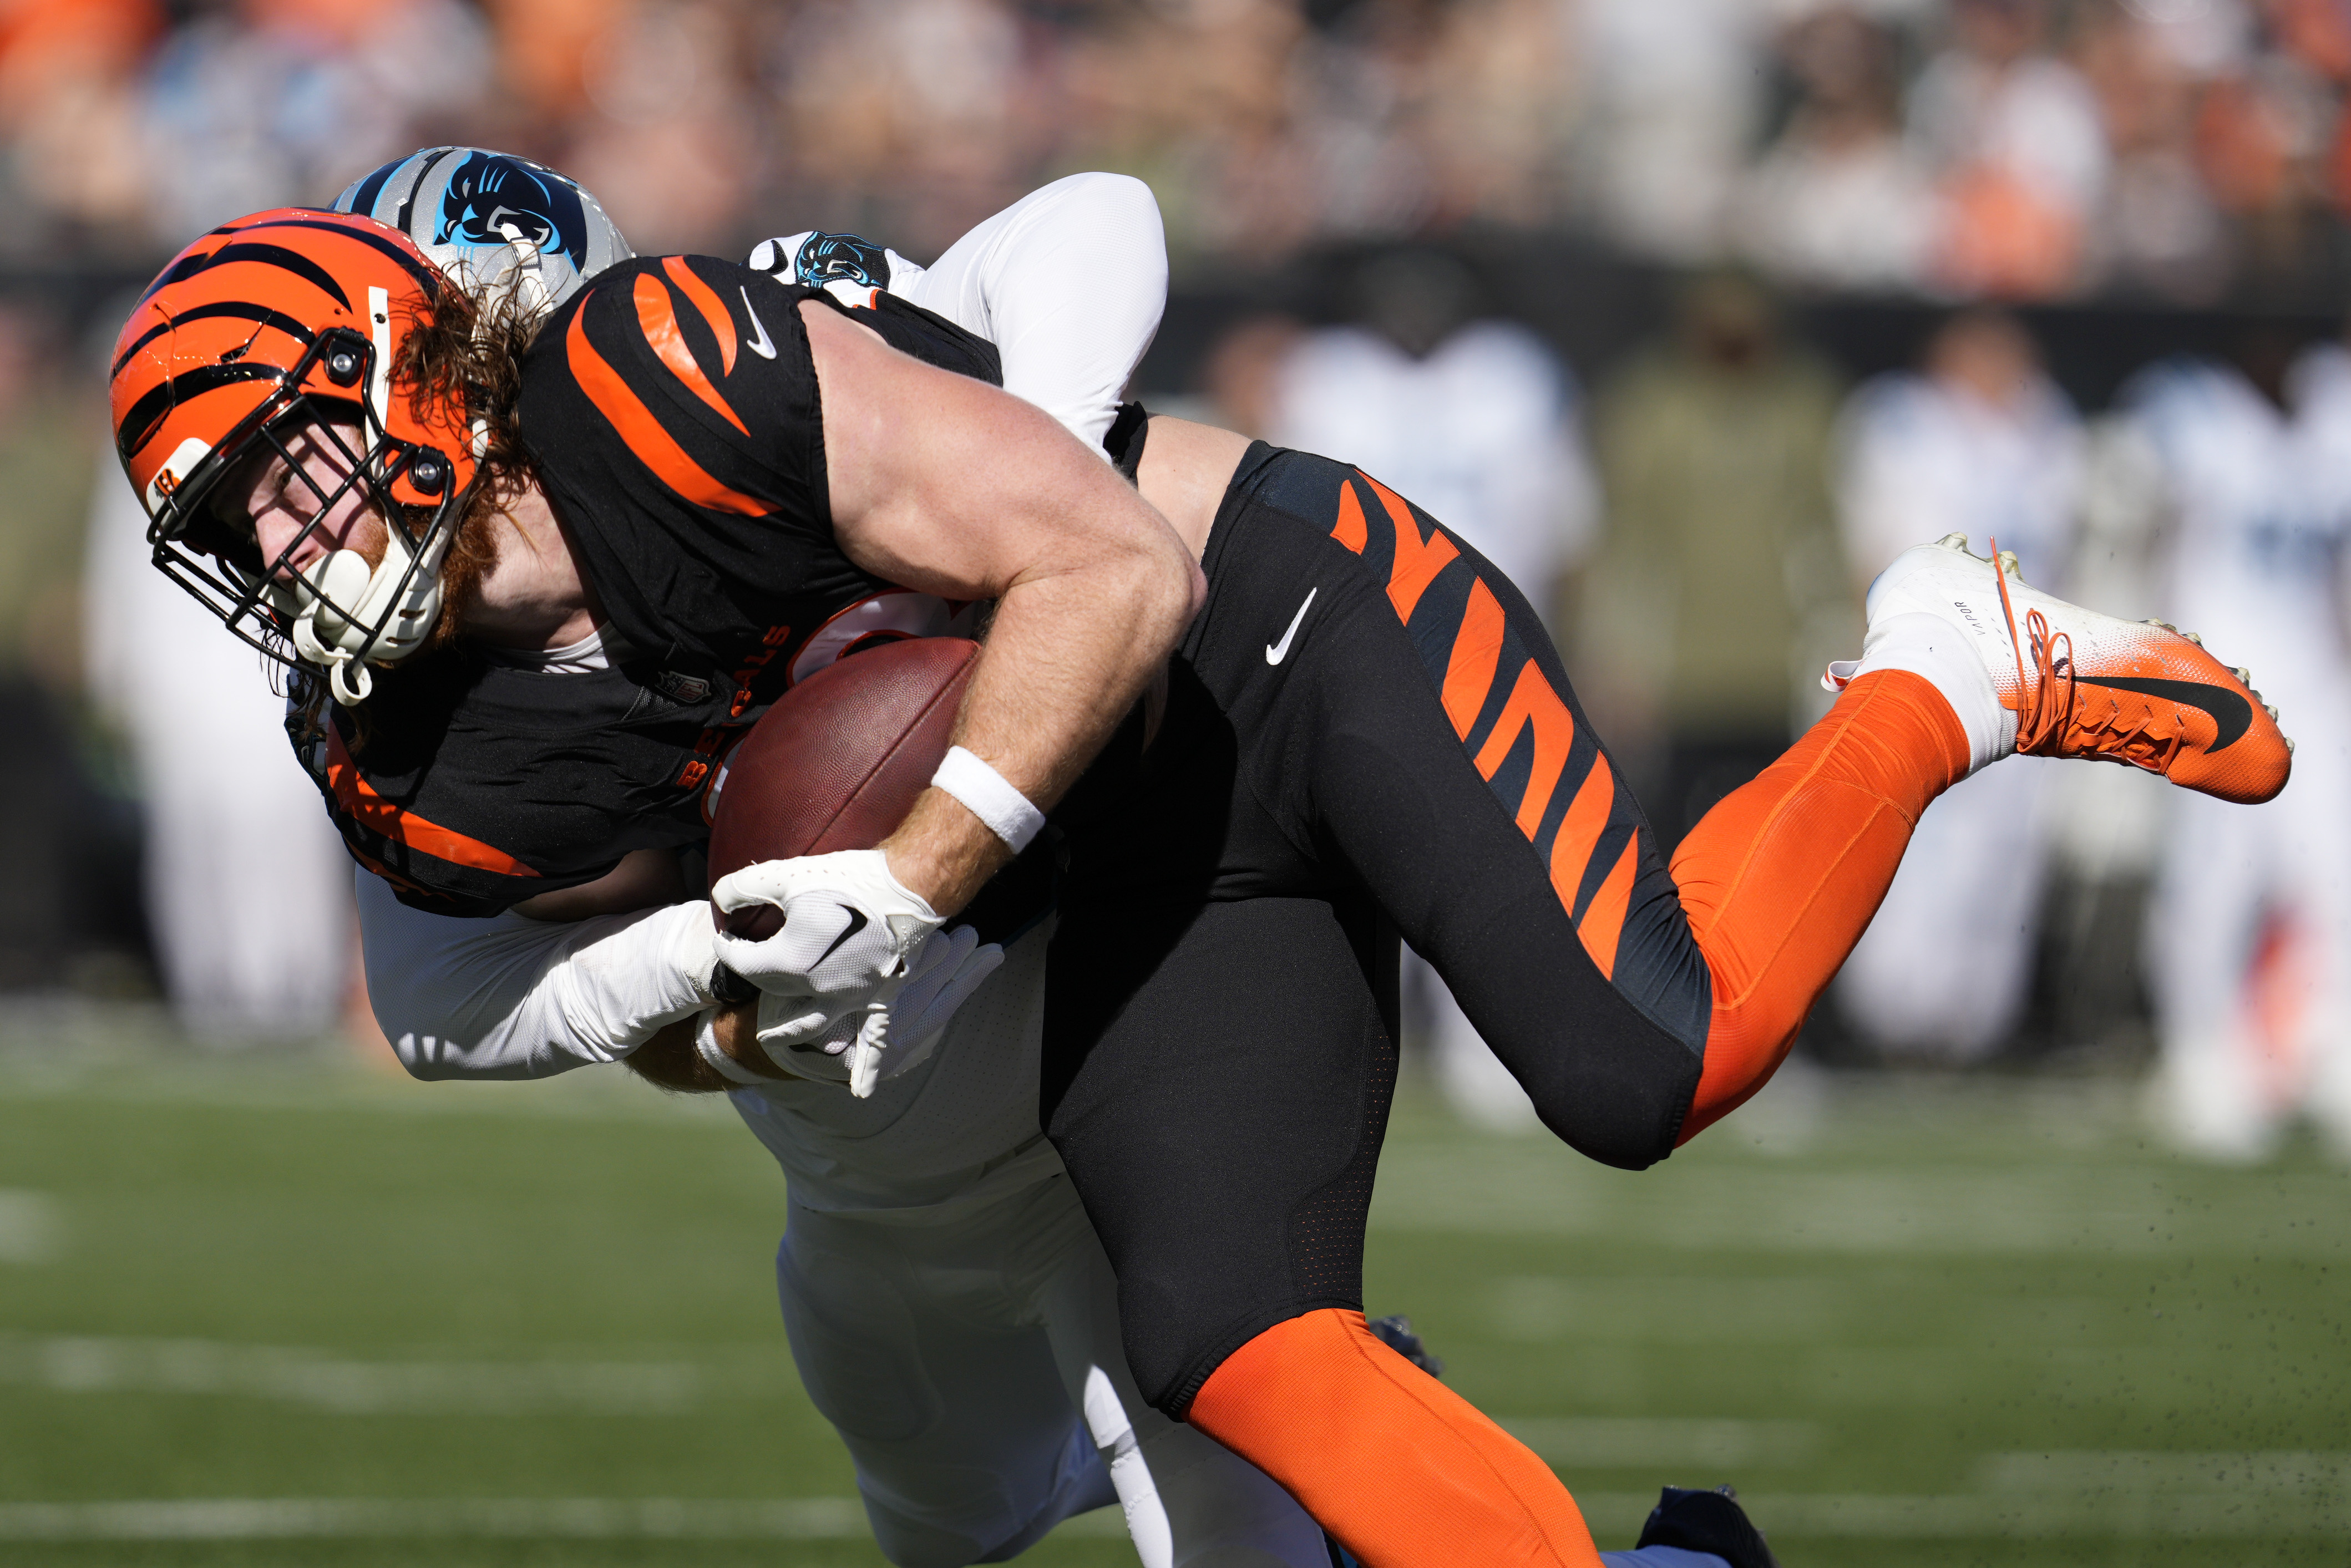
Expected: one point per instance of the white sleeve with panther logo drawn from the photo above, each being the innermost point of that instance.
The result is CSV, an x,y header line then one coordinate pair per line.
x,y
1069,283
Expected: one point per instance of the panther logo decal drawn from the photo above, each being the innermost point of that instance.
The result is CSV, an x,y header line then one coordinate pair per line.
x,y
490,192
833,258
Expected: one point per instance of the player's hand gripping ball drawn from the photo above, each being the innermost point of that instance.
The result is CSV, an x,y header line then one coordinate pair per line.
x,y
808,909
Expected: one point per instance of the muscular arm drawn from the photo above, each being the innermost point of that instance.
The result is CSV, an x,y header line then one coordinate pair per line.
x,y
953,487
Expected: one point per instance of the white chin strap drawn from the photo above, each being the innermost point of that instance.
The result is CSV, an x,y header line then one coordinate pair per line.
x,y
324,637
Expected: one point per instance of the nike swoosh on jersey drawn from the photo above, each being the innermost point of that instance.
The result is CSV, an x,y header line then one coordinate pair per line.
x,y
764,346
2232,713
1277,652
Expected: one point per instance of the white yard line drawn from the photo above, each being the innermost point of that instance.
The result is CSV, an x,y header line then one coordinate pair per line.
x,y
1788,1515
578,1518
2273,1472
1596,1442
324,1380
1528,1188
31,1226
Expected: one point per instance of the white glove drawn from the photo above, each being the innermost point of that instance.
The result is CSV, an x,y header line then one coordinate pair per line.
x,y
843,954
950,967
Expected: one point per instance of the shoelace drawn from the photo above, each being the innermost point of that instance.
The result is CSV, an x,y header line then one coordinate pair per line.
x,y
2050,719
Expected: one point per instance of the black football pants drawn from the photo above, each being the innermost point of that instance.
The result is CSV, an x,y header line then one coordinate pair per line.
x,y
1368,733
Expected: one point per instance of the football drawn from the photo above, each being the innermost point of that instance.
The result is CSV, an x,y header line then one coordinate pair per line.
x,y
837,762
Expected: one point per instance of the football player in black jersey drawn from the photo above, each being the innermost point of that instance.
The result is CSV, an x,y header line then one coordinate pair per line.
x,y
1366,732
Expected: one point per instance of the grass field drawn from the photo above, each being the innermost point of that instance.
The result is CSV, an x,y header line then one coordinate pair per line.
x,y
268,1310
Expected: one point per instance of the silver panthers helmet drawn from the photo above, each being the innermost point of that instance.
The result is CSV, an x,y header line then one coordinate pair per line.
x,y
491,220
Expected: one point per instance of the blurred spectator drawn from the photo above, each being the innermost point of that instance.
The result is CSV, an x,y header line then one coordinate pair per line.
x,y
1476,421
932,109
1967,148
69,117
283,101
248,890
1719,574
1502,109
2260,138
1672,102
1240,381
666,141
2106,824
2162,230
2013,136
1978,442
1841,200
2249,931
60,898
1198,98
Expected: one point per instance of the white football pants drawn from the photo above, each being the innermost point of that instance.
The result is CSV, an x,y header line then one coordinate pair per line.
x,y
974,1370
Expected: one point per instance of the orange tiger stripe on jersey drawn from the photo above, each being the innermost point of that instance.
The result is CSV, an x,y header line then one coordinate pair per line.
x,y
644,434
660,324
1476,650
1580,829
721,321
1417,560
1532,705
1350,529
386,818
1604,923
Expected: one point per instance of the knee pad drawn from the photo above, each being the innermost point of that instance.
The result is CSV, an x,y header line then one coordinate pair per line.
x,y
1619,1098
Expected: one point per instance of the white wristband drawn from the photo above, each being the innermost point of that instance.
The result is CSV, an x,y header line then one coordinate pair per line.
x,y
1007,811
706,1046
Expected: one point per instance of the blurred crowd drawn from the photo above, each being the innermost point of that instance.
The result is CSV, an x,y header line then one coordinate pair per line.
x,y
1701,516
2019,149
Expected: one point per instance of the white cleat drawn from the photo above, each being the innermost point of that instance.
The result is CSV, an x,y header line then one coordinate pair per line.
x,y
2073,683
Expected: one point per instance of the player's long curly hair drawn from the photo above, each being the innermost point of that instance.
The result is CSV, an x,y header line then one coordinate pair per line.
x,y
468,351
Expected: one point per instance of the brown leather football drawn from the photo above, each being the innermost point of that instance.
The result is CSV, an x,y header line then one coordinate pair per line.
x,y
837,762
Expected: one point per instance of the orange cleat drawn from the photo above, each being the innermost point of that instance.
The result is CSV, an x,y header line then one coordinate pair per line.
x,y
2079,683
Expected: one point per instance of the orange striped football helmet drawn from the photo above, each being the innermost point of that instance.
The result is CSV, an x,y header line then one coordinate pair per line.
x,y
267,325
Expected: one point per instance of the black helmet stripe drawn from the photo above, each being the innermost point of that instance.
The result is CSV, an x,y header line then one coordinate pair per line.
x,y
143,418
408,202
261,313
300,265
363,199
427,277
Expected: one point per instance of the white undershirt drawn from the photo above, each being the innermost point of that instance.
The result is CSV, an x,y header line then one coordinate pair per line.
x,y
579,658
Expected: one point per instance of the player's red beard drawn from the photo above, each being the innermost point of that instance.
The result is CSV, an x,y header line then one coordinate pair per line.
x,y
472,554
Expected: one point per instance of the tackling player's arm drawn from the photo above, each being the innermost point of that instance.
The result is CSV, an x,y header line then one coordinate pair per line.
x,y
949,485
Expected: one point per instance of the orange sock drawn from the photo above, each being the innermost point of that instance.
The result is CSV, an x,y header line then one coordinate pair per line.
x,y
1402,1470
1779,879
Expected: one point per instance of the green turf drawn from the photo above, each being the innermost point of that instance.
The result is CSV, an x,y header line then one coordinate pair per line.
x,y
1928,1324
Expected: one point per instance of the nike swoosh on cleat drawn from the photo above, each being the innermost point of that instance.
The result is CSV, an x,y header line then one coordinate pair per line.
x,y
765,347
2232,714
1277,652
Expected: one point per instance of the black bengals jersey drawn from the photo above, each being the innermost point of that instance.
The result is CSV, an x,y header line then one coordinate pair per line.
x,y
672,409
